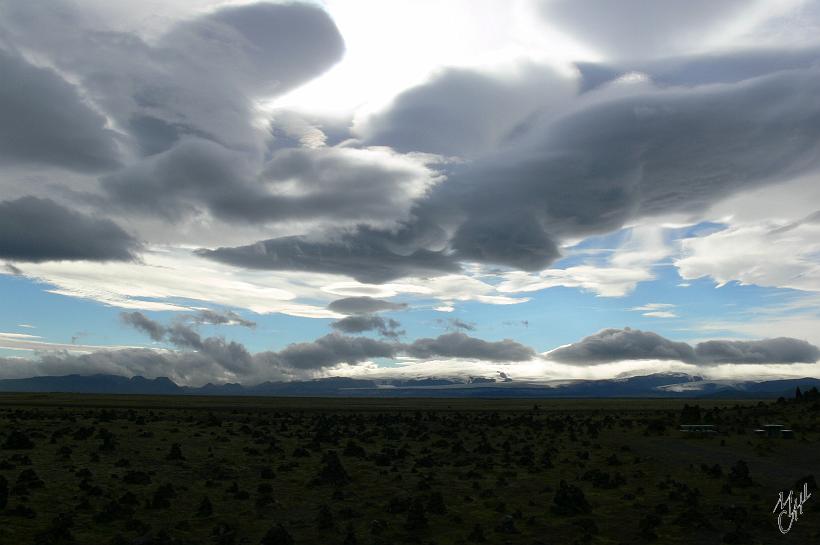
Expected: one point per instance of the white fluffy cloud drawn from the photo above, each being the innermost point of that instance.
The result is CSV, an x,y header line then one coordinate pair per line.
x,y
764,253
615,276
32,343
170,279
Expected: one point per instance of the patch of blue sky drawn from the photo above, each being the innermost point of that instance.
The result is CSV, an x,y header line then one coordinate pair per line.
x,y
58,318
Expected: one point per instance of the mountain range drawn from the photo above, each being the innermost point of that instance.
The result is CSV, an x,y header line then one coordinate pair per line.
x,y
671,385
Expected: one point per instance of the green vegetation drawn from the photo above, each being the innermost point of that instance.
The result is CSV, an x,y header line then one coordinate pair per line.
x,y
176,470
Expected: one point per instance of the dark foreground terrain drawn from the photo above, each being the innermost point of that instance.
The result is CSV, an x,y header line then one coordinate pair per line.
x,y
90,469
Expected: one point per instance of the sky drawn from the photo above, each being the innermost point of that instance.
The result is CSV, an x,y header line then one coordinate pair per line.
x,y
230,191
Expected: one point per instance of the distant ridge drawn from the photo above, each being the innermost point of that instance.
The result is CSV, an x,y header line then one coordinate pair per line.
x,y
92,384
670,385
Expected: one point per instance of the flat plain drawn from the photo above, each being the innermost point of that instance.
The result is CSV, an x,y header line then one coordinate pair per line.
x,y
146,470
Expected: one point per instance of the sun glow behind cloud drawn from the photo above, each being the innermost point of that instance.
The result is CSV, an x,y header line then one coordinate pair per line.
x,y
391,46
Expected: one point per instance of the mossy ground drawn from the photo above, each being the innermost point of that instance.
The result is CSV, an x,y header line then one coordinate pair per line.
x,y
104,469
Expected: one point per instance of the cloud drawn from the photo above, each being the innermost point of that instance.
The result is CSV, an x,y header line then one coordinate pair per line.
x,y
777,350
622,344
456,323
200,78
328,351
702,69
640,28
605,281
764,253
183,367
45,122
459,345
363,305
660,314
171,184
361,323
656,310
372,186
462,112
270,47
187,115
615,160
610,161
340,185
332,350
141,322
501,239
212,317
365,255
199,361
653,306
37,230
35,343
231,356
611,345
447,289
629,264
162,280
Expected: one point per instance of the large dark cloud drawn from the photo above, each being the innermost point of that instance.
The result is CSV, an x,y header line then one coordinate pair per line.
x,y
459,345
36,230
386,327
172,184
332,350
622,344
501,238
363,305
365,255
200,78
777,350
329,184
611,345
44,121
659,151
615,157
544,165
183,107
